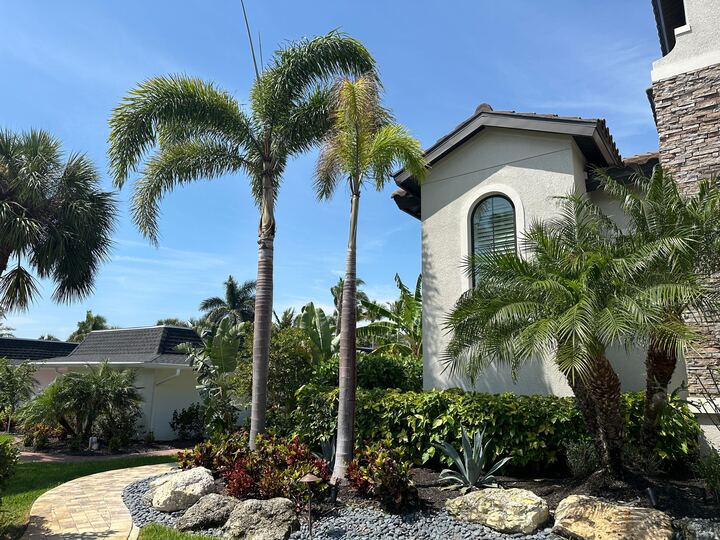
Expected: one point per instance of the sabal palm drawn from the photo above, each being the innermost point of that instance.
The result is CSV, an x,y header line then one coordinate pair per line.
x,y
239,302
397,325
55,222
680,236
201,132
362,146
567,299
87,325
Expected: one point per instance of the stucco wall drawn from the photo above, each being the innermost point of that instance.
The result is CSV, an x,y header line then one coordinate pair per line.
x,y
530,169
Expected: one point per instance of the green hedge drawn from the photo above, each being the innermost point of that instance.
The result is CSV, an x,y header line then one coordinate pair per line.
x,y
532,429
376,371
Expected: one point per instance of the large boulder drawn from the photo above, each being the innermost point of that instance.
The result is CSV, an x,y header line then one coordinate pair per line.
x,y
209,512
253,519
589,518
181,490
505,510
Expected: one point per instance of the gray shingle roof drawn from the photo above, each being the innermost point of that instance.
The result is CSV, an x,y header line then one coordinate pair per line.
x,y
148,345
20,349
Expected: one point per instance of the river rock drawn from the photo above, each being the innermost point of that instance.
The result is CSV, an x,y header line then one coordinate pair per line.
x,y
252,519
183,489
588,518
698,529
505,510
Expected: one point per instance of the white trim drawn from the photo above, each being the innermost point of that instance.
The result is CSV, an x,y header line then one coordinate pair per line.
x,y
476,195
684,29
147,364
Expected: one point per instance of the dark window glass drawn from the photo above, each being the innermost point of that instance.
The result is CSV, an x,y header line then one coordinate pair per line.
x,y
493,227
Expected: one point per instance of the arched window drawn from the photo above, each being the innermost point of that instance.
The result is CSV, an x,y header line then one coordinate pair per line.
x,y
493,226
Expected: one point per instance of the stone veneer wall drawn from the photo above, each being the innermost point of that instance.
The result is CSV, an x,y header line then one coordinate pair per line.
x,y
687,109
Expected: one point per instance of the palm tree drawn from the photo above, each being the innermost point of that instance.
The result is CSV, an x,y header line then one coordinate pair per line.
x,y
5,331
285,320
361,147
16,386
54,220
239,302
84,327
398,325
201,132
568,299
337,294
173,321
681,234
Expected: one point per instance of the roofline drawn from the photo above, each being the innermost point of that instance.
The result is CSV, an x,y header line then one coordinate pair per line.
x,y
142,328
97,363
41,340
594,128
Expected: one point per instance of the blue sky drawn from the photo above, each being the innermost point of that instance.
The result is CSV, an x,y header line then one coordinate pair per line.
x,y
65,65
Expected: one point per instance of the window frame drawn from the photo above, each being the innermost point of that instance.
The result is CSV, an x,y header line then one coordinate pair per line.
x,y
474,209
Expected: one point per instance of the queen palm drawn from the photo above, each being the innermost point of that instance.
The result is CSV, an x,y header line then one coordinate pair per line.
x,y
568,300
239,302
360,148
680,237
200,131
55,222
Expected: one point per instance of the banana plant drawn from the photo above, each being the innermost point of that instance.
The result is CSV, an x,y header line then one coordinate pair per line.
x,y
470,473
320,332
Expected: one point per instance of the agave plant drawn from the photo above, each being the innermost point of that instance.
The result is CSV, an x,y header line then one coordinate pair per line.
x,y
471,472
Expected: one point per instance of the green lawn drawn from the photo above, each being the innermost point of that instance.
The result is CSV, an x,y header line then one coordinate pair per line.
x,y
33,479
158,532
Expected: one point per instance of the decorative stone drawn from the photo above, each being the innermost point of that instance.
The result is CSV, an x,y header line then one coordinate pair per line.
x,y
589,518
154,484
698,529
209,512
182,490
253,519
505,510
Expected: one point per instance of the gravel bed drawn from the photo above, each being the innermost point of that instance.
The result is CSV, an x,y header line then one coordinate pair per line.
x,y
365,523
350,523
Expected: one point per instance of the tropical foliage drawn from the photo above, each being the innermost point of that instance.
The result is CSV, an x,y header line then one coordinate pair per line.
x,y
174,321
99,400
55,222
215,362
381,473
200,131
361,147
5,331
319,330
238,302
337,293
471,463
84,327
397,326
285,320
16,386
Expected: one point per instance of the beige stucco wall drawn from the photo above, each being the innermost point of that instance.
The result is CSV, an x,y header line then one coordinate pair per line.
x,y
697,44
161,390
531,169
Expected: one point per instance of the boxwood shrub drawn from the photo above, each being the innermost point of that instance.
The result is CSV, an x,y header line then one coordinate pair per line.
x,y
532,429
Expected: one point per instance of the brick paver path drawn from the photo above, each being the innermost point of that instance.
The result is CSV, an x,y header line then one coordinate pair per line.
x,y
88,507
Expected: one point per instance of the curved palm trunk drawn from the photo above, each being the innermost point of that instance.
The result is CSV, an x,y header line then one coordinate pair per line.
x,y
660,366
348,316
263,309
604,389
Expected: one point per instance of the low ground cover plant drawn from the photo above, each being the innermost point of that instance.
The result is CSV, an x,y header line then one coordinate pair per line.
x,y
533,430
381,473
708,469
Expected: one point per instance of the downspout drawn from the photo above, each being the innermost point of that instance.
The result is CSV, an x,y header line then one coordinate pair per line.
x,y
152,398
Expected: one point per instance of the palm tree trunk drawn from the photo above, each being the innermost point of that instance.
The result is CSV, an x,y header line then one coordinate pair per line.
x,y
660,366
346,408
263,308
11,412
604,388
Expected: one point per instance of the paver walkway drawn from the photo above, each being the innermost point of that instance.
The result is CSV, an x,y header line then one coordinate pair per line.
x,y
28,456
88,507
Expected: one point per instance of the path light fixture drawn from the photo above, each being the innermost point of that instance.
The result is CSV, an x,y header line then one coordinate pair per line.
x,y
309,479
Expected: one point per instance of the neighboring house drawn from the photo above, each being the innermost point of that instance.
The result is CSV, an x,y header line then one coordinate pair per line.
x,y
164,376
497,171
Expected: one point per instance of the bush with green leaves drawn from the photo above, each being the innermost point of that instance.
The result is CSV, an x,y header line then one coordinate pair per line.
x,y
707,468
472,469
381,473
581,457
9,456
188,423
533,430
17,383
376,371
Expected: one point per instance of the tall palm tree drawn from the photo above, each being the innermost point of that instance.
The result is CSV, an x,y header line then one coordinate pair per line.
x,y
568,299
681,234
360,148
201,132
337,294
239,302
55,222
397,325
87,325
